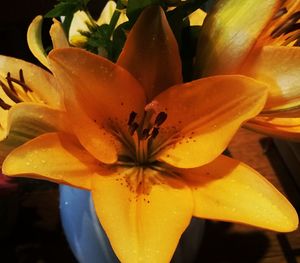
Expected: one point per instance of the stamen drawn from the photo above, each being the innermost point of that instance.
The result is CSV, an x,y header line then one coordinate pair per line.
x,y
22,84
21,76
293,27
280,12
284,27
131,117
132,128
154,133
160,119
9,93
295,17
3,105
11,86
145,134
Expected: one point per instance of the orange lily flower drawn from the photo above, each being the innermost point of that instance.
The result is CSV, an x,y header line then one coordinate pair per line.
x,y
259,39
149,147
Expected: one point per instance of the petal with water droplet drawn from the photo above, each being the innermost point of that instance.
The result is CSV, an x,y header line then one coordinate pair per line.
x,y
229,190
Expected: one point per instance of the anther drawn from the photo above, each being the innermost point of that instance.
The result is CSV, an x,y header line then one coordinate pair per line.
x,y
131,118
10,84
20,82
154,133
4,105
9,93
160,119
132,128
280,12
285,27
295,17
293,27
145,134
21,76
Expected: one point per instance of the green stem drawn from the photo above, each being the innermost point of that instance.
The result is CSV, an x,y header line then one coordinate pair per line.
x,y
93,22
115,17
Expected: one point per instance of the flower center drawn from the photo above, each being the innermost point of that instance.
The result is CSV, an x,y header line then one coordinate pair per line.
x,y
144,132
288,30
16,91
284,28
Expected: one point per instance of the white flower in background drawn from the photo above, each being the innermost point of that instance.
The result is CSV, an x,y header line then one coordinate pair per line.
x,y
81,20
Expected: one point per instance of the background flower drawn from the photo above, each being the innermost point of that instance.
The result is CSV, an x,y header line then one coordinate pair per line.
x,y
257,39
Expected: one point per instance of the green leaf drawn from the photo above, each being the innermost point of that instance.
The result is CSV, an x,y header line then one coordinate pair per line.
x,y
119,38
99,37
67,8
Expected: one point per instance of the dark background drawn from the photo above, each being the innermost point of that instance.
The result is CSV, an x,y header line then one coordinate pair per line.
x,y
15,18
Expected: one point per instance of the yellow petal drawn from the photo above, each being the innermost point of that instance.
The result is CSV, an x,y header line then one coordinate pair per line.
x,y
197,17
229,190
282,122
34,40
279,67
123,18
58,37
98,83
78,24
56,157
282,113
282,128
25,121
145,227
78,40
228,34
108,12
152,55
40,81
99,97
203,115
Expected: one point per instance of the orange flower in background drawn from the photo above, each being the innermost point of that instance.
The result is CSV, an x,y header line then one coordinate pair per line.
x,y
259,39
148,147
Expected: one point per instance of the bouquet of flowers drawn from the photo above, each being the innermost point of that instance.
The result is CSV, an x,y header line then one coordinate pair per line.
x,y
138,107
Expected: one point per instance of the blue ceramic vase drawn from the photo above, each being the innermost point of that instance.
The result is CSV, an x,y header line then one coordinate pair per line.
x,y
89,242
